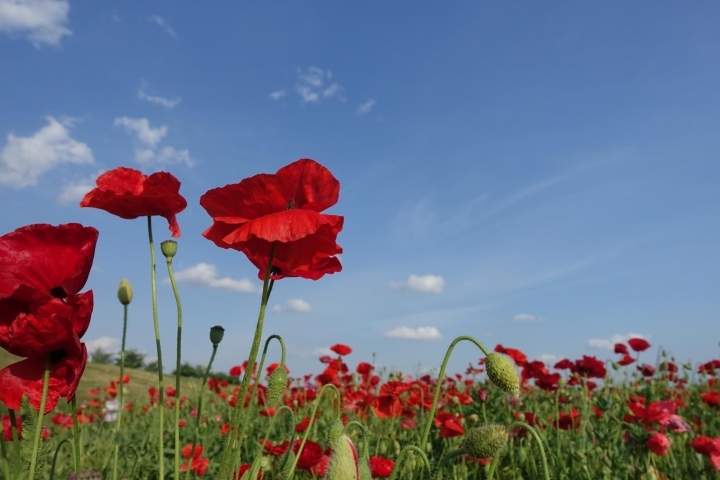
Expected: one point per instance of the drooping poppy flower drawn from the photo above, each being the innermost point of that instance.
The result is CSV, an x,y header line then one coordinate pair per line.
x,y
280,210
341,349
381,467
621,349
638,344
626,360
128,194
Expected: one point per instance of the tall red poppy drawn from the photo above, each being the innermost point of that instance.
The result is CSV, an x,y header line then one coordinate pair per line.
x,y
42,313
281,209
638,344
341,349
129,194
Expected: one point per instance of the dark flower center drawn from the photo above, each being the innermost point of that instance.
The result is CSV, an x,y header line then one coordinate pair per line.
x,y
290,205
58,292
57,356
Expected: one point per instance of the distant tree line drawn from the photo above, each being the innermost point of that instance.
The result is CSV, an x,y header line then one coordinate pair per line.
x,y
135,359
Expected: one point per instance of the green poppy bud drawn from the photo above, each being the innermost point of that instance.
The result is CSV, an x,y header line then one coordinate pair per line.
x,y
503,374
486,441
276,386
216,335
473,418
344,460
125,292
169,248
286,471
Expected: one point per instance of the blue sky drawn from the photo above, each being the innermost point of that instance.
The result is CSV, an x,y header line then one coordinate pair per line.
x,y
541,175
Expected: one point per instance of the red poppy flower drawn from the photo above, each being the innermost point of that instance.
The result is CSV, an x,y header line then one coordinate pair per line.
x,y
364,368
646,370
626,360
638,344
381,467
590,367
282,210
7,428
659,444
310,456
130,194
341,349
621,348
712,398
199,466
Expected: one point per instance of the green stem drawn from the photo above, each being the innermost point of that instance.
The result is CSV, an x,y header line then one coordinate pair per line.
x,y
161,460
445,459
5,457
199,410
402,455
532,431
41,414
428,423
258,457
227,457
121,406
16,440
76,434
177,367
57,450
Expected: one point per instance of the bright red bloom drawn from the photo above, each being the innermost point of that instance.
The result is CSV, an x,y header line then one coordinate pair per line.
x,y
621,348
130,194
310,456
590,367
638,344
282,210
7,428
712,398
626,360
566,421
364,368
341,349
711,368
564,364
659,444
646,370
199,466
381,467
235,371
187,451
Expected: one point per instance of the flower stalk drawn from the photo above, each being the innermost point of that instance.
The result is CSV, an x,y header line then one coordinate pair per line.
x,y
41,414
125,296
161,462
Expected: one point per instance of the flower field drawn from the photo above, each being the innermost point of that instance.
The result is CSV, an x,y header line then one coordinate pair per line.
x,y
506,416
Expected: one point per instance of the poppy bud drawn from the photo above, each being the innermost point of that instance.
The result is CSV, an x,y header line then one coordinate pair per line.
x,y
344,460
473,418
503,374
276,386
125,292
616,366
286,472
485,441
168,248
216,335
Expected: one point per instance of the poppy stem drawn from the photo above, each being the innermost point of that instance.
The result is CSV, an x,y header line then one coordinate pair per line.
x,y
16,439
41,413
120,394
441,374
57,450
540,446
5,459
402,455
161,461
169,259
76,435
226,463
198,416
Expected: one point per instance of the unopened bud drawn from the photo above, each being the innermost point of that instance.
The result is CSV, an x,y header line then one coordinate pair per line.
x,y
473,418
486,441
343,462
276,386
616,366
125,292
216,335
503,374
168,248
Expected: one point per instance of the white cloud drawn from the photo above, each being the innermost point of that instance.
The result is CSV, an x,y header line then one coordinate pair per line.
x,y
24,159
107,344
74,192
205,275
162,23
420,333
424,284
296,305
156,99
526,317
277,95
609,343
324,351
149,138
366,107
548,358
314,83
41,21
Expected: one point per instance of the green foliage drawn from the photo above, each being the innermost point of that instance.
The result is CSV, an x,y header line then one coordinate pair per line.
x,y
102,357
29,424
133,359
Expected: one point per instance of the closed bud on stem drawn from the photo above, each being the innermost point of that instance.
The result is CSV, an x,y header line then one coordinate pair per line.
x,y
503,374
344,460
168,248
485,441
125,292
276,386
216,335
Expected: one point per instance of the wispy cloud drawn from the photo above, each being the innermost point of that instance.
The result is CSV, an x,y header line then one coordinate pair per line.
x,y
148,137
162,23
526,317
294,305
75,191
323,351
424,284
548,358
315,83
205,275
43,22
156,99
24,159
106,344
419,333
366,107
278,94
609,343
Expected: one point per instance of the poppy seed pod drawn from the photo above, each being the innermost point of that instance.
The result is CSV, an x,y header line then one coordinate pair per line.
x,y
503,374
486,441
169,248
216,335
276,386
344,460
125,292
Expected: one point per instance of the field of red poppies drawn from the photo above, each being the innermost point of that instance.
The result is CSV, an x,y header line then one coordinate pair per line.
x,y
505,416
